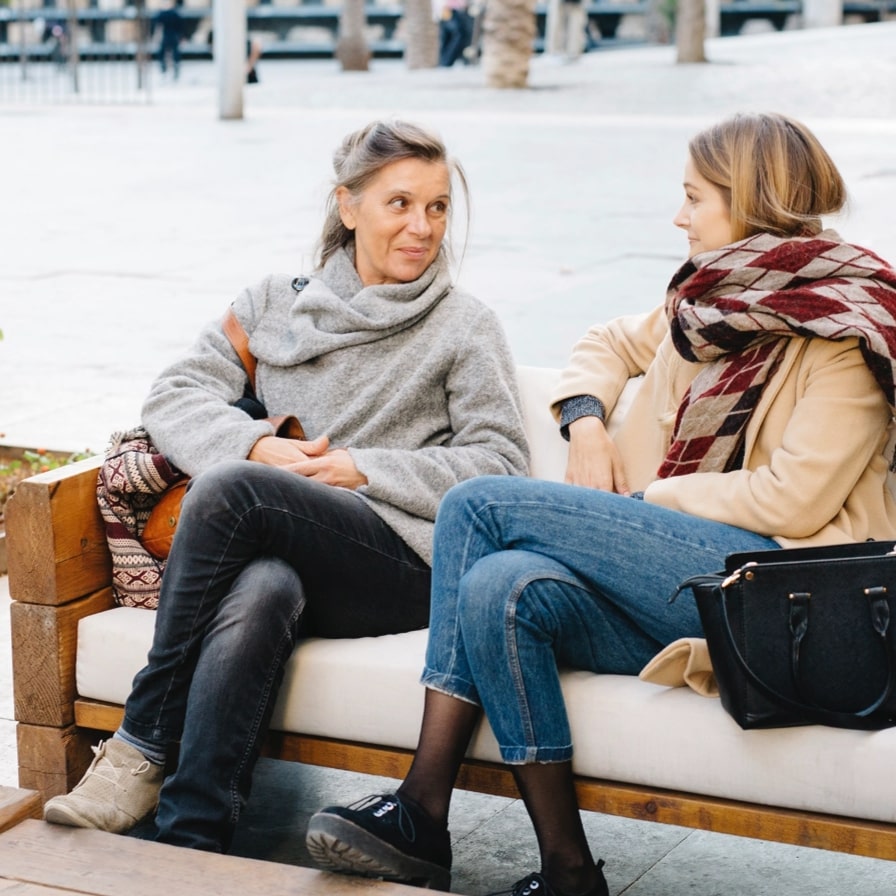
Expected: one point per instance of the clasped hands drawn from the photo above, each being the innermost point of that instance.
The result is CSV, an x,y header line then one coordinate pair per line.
x,y
314,459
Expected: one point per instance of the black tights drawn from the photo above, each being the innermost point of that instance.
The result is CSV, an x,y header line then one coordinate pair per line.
x,y
547,789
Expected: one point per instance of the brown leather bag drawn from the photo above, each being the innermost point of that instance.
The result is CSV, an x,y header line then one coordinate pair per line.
x,y
158,533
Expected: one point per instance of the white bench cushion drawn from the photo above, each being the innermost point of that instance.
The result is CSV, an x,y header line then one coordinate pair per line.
x,y
367,690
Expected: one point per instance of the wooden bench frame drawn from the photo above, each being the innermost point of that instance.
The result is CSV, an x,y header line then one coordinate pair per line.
x,y
59,572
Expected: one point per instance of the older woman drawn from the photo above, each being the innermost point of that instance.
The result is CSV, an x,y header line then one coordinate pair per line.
x,y
761,421
383,360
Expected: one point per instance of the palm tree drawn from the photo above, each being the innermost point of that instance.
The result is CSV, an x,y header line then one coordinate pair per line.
x,y
351,47
690,30
508,33
421,35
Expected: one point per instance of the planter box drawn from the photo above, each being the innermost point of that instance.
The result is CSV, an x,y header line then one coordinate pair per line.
x,y
9,454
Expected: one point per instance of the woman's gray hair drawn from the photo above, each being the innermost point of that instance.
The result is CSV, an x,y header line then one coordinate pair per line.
x,y
361,157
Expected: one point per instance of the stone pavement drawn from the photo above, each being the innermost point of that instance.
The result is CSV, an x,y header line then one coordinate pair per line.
x,y
124,228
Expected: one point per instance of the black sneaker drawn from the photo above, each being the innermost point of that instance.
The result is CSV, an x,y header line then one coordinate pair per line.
x,y
386,836
536,885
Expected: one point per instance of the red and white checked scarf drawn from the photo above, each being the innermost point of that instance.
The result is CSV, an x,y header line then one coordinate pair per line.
x,y
736,307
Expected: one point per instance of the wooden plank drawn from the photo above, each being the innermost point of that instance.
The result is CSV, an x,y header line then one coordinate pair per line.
x,y
53,760
103,864
17,888
44,642
365,758
16,805
855,836
98,715
56,543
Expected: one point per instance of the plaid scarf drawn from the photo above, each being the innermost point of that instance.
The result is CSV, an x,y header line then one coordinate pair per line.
x,y
735,308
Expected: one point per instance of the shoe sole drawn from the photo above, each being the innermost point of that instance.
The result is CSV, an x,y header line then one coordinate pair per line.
x,y
66,816
61,814
339,845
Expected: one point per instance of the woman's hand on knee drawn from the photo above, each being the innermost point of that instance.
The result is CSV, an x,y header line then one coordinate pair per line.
x,y
594,461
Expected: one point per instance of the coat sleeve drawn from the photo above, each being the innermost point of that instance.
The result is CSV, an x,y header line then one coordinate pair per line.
x,y
189,411
608,355
806,468
486,429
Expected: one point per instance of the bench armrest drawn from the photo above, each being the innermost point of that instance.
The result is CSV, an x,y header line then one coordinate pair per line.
x,y
59,572
56,543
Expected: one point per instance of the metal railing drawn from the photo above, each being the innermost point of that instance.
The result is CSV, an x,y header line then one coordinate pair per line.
x,y
66,52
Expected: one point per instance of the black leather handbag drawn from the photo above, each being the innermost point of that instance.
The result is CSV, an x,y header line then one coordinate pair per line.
x,y
804,636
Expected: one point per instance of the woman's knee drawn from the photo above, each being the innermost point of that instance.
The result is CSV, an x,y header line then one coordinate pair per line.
x,y
463,505
494,583
217,483
506,587
267,598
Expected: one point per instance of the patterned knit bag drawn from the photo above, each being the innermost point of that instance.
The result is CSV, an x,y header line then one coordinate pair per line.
x,y
130,482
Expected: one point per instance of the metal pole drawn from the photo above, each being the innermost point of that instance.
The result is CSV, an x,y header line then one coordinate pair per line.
x,y
71,44
229,50
23,42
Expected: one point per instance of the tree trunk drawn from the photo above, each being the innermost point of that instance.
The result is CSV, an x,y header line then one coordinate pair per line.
x,y
421,35
508,33
351,48
690,30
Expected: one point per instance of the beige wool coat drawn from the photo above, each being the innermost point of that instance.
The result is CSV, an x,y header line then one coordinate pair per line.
x,y
816,452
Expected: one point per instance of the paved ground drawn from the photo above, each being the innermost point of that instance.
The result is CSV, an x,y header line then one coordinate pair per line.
x,y
126,227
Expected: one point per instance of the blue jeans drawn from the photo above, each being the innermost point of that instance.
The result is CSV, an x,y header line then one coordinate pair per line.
x,y
531,575
454,36
260,556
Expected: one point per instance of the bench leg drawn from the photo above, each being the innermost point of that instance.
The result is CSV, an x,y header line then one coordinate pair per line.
x,y
52,760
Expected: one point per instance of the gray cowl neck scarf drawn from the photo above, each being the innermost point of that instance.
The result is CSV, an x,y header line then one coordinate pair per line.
x,y
336,311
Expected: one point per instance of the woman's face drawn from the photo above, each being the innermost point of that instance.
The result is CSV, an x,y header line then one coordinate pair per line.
x,y
704,214
399,220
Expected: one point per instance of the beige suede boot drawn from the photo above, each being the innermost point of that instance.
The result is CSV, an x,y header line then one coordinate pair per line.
x,y
120,789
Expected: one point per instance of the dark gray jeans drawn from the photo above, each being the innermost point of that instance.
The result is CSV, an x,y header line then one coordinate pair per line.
x,y
260,557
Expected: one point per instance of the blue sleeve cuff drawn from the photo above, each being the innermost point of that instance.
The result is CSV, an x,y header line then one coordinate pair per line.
x,y
580,406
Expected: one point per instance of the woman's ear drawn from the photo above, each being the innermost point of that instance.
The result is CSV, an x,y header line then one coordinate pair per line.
x,y
346,207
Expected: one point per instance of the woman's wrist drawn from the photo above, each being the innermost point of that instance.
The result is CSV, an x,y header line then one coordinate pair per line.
x,y
577,407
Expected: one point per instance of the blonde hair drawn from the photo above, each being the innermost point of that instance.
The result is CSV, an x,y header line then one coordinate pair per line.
x,y
775,175
360,158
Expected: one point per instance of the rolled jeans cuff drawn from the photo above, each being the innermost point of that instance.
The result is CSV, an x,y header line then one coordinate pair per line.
x,y
450,685
529,755
153,752
456,687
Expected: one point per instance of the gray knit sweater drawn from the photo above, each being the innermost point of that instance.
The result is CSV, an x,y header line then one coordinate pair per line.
x,y
415,379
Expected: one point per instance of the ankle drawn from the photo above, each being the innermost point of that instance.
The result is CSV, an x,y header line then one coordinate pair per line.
x,y
156,756
573,880
439,820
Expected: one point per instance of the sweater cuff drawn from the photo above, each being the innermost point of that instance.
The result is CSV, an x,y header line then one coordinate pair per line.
x,y
580,406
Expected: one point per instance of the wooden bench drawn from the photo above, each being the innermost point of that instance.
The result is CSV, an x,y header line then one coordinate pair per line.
x,y
59,574
733,15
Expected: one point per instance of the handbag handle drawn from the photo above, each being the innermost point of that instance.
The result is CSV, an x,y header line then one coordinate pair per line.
x,y
235,332
880,619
